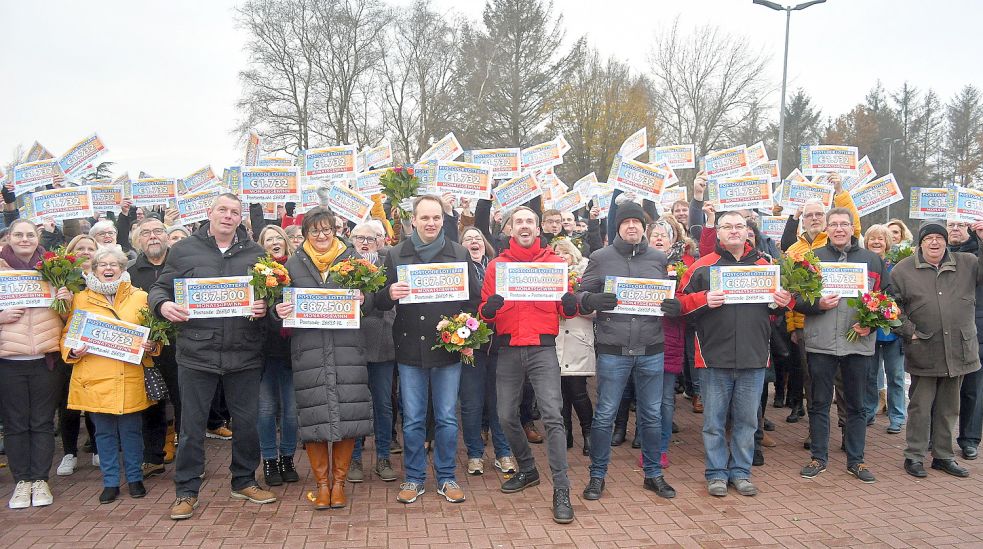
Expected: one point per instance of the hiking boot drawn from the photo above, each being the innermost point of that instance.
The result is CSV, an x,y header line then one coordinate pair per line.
x,y
287,470
152,469
562,510
271,472
594,489
254,494
184,507
532,435
384,470
697,404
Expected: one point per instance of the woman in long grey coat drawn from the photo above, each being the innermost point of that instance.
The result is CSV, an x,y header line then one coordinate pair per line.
x,y
334,405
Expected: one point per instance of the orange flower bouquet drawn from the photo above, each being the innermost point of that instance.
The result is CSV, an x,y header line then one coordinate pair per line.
x,y
269,279
462,333
875,310
358,274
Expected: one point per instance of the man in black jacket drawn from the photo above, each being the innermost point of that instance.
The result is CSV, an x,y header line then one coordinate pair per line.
x,y
961,239
210,350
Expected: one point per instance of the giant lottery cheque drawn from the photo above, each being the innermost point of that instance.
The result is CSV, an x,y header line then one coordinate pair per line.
x,y
746,284
517,191
928,202
521,281
541,156
61,204
445,150
731,162
645,180
329,163
107,198
105,336
833,158
740,193
80,156
464,180
24,289
677,156
843,279
795,193
877,194
322,308
193,207
639,296
432,282
215,297
32,175
505,163
349,204
964,205
151,191
269,184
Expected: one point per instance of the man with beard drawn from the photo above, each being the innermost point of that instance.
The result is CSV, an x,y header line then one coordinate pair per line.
x,y
158,438
961,239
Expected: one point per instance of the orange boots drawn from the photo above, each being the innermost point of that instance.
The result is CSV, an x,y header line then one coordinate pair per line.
x,y
330,470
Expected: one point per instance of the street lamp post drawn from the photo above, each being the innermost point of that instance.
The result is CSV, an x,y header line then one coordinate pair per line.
x,y
890,156
788,19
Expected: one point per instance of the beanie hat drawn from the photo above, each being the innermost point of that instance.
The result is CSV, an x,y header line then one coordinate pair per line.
x,y
932,226
629,210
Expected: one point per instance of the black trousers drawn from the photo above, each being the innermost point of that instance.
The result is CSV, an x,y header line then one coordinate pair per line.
x,y
155,417
573,389
28,399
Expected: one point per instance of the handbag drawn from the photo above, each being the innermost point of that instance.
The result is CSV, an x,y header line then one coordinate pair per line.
x,y
153,380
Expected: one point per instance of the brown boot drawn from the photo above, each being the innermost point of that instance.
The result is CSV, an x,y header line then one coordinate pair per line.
x,y
169,440
317,454
882,401
697,404
341,458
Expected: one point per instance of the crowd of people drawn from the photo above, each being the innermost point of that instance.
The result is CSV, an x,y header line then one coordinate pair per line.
x,y
270,389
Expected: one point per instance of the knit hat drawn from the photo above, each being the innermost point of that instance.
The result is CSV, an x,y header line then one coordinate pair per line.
x,y
932,226
629,210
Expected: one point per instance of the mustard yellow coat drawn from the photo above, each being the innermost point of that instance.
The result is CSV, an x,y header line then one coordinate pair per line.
x,y
106,385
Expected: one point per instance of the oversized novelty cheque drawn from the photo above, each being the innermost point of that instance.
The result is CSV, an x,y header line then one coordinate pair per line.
x,y
193,207
541,156
106,336
865,172
33,175
677,156
198,180
324,308
773,226
521,281
833,158
570,201
78,159
151,191
464,180
60,204
505,163
445,150
877,194
746,284
24,289
268,184
645,180
369,183
928,202
740,193
768,169
375,157
329,163
964,205
635,145
730,162
797,193
349,204
639,296
432,282
215,297
106,198
38,152
517,191
843,279
673,195
757,155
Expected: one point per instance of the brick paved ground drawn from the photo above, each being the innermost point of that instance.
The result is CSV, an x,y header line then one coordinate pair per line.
x,y
833,510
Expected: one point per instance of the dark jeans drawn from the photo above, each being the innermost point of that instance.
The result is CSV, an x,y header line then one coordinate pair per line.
x,y
381,388
197,392
822,371
28,398
576,398
527,403
691,375
155,417
477,394
277,404
540,366
971,409
115,431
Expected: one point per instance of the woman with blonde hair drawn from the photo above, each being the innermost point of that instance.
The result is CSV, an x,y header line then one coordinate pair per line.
x,y
899,232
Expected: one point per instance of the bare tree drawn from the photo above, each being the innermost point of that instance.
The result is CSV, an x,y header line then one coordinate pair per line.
x,y
706,82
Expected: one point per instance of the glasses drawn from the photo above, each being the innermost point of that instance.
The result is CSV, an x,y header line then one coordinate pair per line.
x,y
839,225
363,239
321,232
957,226
728,228
108,265
814,214
109,232
148,232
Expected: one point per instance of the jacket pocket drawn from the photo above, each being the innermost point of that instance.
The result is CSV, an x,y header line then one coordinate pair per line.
x,y
918,351
970,347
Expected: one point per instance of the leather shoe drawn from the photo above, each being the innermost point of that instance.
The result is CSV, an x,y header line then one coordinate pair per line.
x,y
970,452
951,467
768,425
562,509
758,459
109,494
532,435
137,489
594,488
618,438
915,468
635,442
659,486
520,481
796,413
697,404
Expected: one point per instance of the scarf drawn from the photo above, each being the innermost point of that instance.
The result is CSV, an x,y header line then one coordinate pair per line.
x,y
323,260
107,289
281,260
7,254
427,251
525,255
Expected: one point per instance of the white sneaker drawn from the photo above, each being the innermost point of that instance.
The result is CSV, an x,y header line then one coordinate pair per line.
x,y
506,464
41,494
95,460
22,496
476,466
67,465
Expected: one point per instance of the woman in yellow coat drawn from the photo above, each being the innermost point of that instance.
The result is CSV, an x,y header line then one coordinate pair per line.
x,y
110,390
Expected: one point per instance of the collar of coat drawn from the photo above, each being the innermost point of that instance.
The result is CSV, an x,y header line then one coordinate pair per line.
x,y
750,256
142,262
122,293
628,249
948,262
241,236
348,253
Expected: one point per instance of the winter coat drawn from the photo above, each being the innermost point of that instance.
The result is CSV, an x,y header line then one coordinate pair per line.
x,y
143,275
825,331
973,246
575,341
38,332
616,333
217,345
415,325
331,381
938,308
107,385
378,328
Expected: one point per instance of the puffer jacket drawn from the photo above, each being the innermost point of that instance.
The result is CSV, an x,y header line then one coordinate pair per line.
x,y
331,380
38,332
106,385
938,308
218,345
378,328
825,331
622,334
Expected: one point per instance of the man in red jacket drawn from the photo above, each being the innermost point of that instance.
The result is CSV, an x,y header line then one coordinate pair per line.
x,y
526,332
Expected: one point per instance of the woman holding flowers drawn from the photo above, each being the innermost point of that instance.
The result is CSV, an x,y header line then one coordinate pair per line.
x,y
276,387
329,366
111,390
887,352
29,392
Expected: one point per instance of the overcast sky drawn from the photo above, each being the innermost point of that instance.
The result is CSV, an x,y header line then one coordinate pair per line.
x,y
158,80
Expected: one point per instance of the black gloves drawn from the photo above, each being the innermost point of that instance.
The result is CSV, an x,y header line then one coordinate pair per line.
x,y
599,302
671,307
569,302
494,303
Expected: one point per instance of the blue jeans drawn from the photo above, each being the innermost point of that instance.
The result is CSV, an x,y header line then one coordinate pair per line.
x,y
381,387
415,384
478,395
612,376
735,394
888,353
112,431
277,401
668,409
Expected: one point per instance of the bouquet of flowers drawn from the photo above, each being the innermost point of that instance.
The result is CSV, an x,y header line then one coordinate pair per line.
x,y
161,331
399,184
678,270
61,270
462,333
875,310
802,277
899,252
269,279
573,280
358,274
